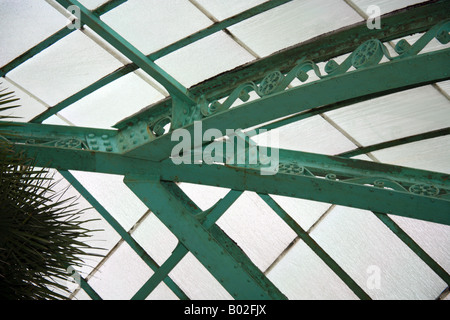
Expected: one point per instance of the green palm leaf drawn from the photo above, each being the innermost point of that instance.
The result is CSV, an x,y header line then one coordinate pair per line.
x,y
41,231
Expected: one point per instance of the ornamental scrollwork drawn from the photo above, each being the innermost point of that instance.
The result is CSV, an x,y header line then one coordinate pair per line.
x,y
368,54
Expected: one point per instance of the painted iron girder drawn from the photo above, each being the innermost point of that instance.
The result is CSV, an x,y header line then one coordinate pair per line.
x,y
311,243
350,182
195,237
393,76
414,19
126,236
78,148
175,88
353,193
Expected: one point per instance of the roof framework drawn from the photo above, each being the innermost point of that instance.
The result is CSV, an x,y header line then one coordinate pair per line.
x,y
140,147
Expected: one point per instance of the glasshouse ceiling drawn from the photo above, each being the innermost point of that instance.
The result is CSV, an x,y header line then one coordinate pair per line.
x,y
341,109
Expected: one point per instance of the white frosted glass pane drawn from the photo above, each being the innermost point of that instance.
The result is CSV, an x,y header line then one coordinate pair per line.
x,y
104,236
114,196
394,116
204,58
24,24
92,4
155,238
29,107
432,237
433,45
195,280
430,154
225,9
56,121
81,295
313,134
302,275
112,103
304,212
203,196
162,292
65,68
121,276
292,23
153,24
445,86
257,230
360,243
385,5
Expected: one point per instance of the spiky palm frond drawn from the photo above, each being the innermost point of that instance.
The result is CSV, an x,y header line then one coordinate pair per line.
x,y
41,233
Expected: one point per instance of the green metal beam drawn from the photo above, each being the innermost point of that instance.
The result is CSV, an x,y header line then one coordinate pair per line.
x,y
180,220
347,193
117,41
122,232
396,142
386,219
161,273
350,189
399,232
158,54
218,26
395,25
316,248
207,218
104,8
89,290
402,73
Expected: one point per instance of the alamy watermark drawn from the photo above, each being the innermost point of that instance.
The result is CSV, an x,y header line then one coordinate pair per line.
x,y
373,281
74,279
75,22
236,149
373,20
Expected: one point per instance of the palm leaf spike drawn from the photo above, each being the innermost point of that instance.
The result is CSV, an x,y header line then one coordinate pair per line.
x,y
41,230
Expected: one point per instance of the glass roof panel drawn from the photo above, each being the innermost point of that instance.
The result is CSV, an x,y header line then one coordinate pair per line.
x,y
292,23
394,116
384,5
162,292
121,275
196,281
150,25
358,240
64,68
253,225
114,196
313,134
29,106
28,20
155,238
92,4
302,275
204,58
305,212
430,154
113,102
222,10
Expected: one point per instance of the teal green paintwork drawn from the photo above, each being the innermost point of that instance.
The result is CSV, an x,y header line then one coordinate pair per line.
x,y
217,259
409,72
162,272
316,248
396,142
122,232
104,8
394,25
